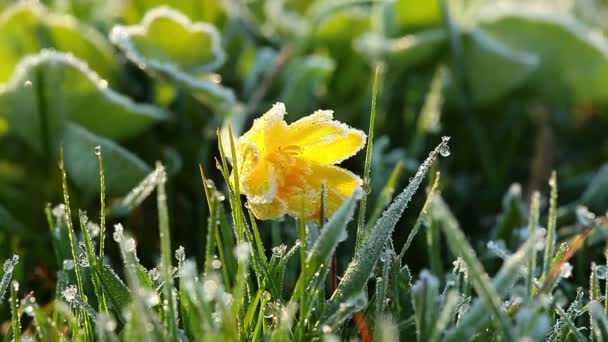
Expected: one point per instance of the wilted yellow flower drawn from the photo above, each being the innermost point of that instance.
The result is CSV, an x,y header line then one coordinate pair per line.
x,y
282,168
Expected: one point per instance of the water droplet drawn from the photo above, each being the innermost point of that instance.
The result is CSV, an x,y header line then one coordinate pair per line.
x,y
68,264
267,296
70,293
601,271
584,216
150,297
27,84
216,264
15,285
326,329
154,274
98,150
180,254
29,310
103,84
566,271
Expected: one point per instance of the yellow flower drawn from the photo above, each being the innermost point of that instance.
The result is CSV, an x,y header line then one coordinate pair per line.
x,y
282,168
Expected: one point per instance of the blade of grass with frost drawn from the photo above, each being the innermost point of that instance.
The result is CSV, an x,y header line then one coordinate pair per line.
x,y
532,223
386,195
361,267
136,196
46,331
322,251
418,223
446,314
15,317
600,322
72,237
368,165
102,203
92,260
425,301
170,315
201,316
382,282
8,267
500,285
551,226
65,312
573,329
212,223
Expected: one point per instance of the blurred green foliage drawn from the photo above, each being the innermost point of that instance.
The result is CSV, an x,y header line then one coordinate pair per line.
x,y
521,86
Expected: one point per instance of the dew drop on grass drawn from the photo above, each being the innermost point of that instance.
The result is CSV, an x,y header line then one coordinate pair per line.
x,y
444,149
27,84
29,310
15,285
209,289
83,260
149,297
216,264
93,229
241,252
566,271
98,150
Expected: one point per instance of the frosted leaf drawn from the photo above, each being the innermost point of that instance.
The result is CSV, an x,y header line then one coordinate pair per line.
x,y
70,293
129,245
241,252
154,274
460,267
9,264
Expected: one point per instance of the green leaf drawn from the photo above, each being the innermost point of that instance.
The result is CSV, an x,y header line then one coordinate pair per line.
x,y
200,10
573,62
49,88
168,45
27,27
494,69
415,14
117,292
81,163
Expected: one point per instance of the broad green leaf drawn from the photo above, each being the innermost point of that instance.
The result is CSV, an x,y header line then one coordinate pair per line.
x,y
304,78
494,69
415,14
27,27
340,27
573,61
404,52
127,170
212,11
117,292
50,88
168,45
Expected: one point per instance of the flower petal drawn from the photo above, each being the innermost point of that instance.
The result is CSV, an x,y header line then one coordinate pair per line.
x,y
323,140
267,211
260,182
264,128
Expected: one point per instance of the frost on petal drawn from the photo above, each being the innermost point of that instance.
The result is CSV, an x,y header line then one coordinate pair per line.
x,y
260,183
324,140
267,125
267,211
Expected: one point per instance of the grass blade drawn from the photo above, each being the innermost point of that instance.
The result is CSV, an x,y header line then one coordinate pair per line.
x,y
551,223
361,267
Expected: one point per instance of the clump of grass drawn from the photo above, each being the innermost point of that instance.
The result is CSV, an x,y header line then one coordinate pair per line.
x,y
241,295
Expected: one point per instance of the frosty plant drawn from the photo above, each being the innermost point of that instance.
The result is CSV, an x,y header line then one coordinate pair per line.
x,y
283,167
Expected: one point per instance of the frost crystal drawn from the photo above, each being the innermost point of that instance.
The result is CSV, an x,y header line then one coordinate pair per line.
x,y
70,293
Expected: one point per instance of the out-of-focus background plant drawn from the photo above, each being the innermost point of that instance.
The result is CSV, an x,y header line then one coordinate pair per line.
x,y
520,86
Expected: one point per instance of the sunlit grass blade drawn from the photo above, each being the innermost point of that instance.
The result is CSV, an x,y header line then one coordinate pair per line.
x,y
15,317
532,224
568,321
551,226
170,316
425,295
368,164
